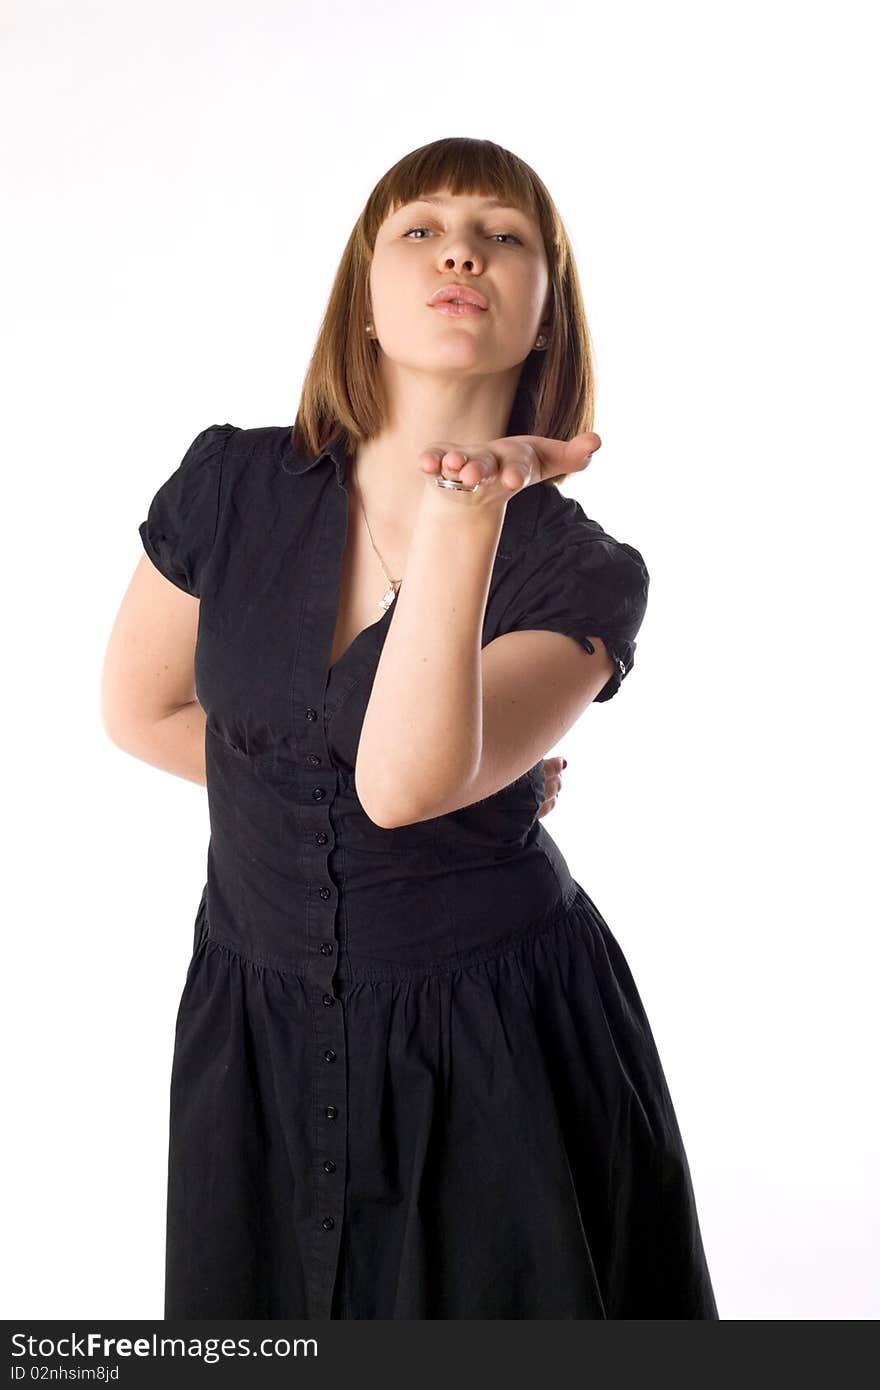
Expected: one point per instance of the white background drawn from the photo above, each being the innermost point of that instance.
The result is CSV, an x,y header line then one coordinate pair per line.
x,y
179,183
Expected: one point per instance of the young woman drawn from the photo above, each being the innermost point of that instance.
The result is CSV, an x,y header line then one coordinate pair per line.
x,y
413,1076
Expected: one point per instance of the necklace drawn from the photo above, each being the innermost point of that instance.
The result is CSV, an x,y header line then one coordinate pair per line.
x,y
390,593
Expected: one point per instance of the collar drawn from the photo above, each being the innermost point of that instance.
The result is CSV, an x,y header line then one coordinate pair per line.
x,y
335,451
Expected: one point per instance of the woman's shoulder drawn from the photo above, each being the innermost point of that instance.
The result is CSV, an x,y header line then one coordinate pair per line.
x,y
227,473
573,576
259,464
266,448
547,520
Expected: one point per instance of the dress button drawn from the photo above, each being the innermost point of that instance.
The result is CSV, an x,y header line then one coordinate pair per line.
x,y
311,715
326,948
331,1112
318,793
329,1055
313,759
329,999
321,838
329,1165
325,893
328,1223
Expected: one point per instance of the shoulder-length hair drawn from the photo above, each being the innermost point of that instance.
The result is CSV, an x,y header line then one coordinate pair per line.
x,y
342,391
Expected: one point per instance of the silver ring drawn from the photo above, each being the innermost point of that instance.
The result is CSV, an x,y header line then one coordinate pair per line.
x,y
453,485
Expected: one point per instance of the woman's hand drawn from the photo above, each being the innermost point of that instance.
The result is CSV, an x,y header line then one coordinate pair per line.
x,y
552,783
504,467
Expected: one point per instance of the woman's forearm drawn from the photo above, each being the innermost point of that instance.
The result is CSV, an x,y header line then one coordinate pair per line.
x,y
422,732
175,743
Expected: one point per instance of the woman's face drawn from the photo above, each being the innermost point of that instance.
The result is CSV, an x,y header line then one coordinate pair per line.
x,y
424,245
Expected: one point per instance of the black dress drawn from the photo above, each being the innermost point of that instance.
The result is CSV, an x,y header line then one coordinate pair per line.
x,y
412,1075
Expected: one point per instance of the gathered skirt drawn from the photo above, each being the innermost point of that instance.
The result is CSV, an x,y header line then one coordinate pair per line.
x,y
512,1150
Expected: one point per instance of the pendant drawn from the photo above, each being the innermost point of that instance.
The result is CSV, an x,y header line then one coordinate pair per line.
x,y
388,598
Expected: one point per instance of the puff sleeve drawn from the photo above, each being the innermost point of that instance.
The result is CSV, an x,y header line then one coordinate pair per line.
x,y
581,581
181,523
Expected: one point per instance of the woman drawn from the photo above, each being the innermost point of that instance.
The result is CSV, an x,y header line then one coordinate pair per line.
x,y
412,1077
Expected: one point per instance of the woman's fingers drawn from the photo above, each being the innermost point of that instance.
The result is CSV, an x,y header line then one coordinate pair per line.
x,y
552,783
553,775
467,466
507,465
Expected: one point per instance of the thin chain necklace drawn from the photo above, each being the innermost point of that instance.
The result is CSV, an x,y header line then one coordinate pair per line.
x,y
390,593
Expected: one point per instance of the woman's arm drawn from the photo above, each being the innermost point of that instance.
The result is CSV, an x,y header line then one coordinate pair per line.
x,y
148,703
422,731
447,723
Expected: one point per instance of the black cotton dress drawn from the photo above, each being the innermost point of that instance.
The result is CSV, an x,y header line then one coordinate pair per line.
x,y
412,1074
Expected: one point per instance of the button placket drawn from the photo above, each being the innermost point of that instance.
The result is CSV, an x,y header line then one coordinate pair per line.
x,y
328,1156
329,1067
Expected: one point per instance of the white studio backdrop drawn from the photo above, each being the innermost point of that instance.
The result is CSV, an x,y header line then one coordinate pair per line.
x,y
179,181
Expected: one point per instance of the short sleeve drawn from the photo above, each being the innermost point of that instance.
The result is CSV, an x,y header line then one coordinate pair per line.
x,y
583,582
178,534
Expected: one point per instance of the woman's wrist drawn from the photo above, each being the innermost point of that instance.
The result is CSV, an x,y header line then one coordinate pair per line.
x,y
488,501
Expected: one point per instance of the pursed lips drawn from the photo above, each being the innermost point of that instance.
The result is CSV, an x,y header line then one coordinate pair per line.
x,y
458,294
456,308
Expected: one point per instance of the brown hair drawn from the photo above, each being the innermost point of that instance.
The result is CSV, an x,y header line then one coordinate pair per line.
x,y
342,390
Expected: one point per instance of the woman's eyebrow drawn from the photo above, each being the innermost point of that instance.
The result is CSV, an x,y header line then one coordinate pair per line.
x,y
487,203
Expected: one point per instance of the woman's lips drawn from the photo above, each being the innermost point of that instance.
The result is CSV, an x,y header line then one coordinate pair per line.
x,y
445,306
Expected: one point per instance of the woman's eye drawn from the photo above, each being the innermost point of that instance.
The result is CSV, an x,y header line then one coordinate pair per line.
x,y
427,229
